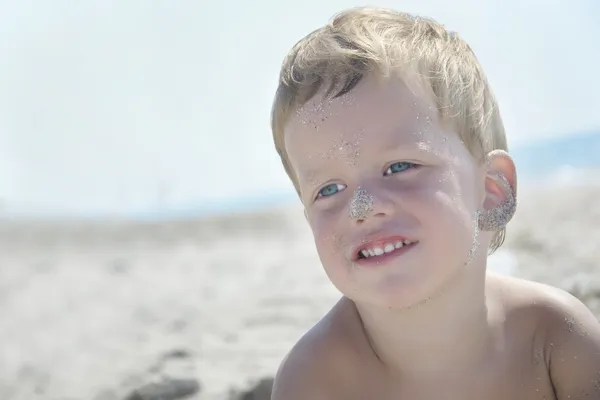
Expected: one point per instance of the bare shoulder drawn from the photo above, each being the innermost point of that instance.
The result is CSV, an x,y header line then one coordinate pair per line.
x,y
570,331
321,362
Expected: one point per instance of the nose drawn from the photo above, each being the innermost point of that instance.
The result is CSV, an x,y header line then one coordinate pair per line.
x,y
366,204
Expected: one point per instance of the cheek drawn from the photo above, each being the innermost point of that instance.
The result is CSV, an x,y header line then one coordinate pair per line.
x,y
445,211
324,229
451,228
454,191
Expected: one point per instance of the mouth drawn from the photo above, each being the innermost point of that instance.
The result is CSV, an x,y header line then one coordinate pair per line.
x,y
382,248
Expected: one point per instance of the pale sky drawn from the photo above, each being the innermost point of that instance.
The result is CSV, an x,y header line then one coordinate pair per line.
x,y
106,104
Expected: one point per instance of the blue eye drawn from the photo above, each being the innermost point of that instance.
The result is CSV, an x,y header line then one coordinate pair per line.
x,y
399,167
330,189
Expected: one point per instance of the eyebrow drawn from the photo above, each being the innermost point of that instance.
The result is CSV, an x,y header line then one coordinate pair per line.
x,y
312,176
422,146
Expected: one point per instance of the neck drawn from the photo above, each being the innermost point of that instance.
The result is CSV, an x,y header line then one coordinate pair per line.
x,y
450,332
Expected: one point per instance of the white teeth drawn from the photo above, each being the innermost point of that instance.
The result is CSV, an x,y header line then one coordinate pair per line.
x,y
388,248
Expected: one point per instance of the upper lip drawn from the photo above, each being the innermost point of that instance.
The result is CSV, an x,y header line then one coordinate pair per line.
x,y
378,240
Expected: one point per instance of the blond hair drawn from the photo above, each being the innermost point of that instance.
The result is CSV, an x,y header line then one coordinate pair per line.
x,y
361,41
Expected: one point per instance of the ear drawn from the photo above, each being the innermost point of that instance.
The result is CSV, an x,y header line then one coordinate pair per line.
x,y
500,170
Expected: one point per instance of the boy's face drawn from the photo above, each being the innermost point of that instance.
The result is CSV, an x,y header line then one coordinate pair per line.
x,y
377,170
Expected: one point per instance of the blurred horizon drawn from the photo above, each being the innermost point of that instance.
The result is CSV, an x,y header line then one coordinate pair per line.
x,y
142,110
539,163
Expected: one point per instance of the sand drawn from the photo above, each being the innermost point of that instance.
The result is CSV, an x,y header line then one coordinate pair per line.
x,y
91,311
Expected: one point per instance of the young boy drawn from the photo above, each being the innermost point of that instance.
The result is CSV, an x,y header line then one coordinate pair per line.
x,y
387,126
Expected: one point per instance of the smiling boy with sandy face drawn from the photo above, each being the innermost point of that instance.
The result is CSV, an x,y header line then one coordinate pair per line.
x,y
388,128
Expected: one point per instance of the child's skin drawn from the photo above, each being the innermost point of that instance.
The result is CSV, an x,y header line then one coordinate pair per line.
x,y
427,322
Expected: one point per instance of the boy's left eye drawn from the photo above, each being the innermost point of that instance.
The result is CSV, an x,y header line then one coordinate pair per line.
x,y
399,167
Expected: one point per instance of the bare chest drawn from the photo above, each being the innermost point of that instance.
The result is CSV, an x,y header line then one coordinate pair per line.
x,y
516,380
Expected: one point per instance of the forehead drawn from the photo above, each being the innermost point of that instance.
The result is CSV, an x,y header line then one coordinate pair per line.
x,y
373,111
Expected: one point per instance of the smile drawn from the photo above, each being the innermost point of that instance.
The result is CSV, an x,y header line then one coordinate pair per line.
x,y
383,248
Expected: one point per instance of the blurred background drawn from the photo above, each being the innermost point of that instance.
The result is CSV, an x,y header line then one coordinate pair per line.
x,y
151,243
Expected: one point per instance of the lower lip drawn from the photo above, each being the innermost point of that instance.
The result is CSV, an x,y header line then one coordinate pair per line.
x,y
386,257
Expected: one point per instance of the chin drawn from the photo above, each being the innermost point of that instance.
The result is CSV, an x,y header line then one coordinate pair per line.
x,y
403,290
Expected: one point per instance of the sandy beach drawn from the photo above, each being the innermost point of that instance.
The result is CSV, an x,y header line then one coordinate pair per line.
x,y
92,311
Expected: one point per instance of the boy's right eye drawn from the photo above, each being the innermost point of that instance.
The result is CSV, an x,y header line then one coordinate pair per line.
x,y
330,189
